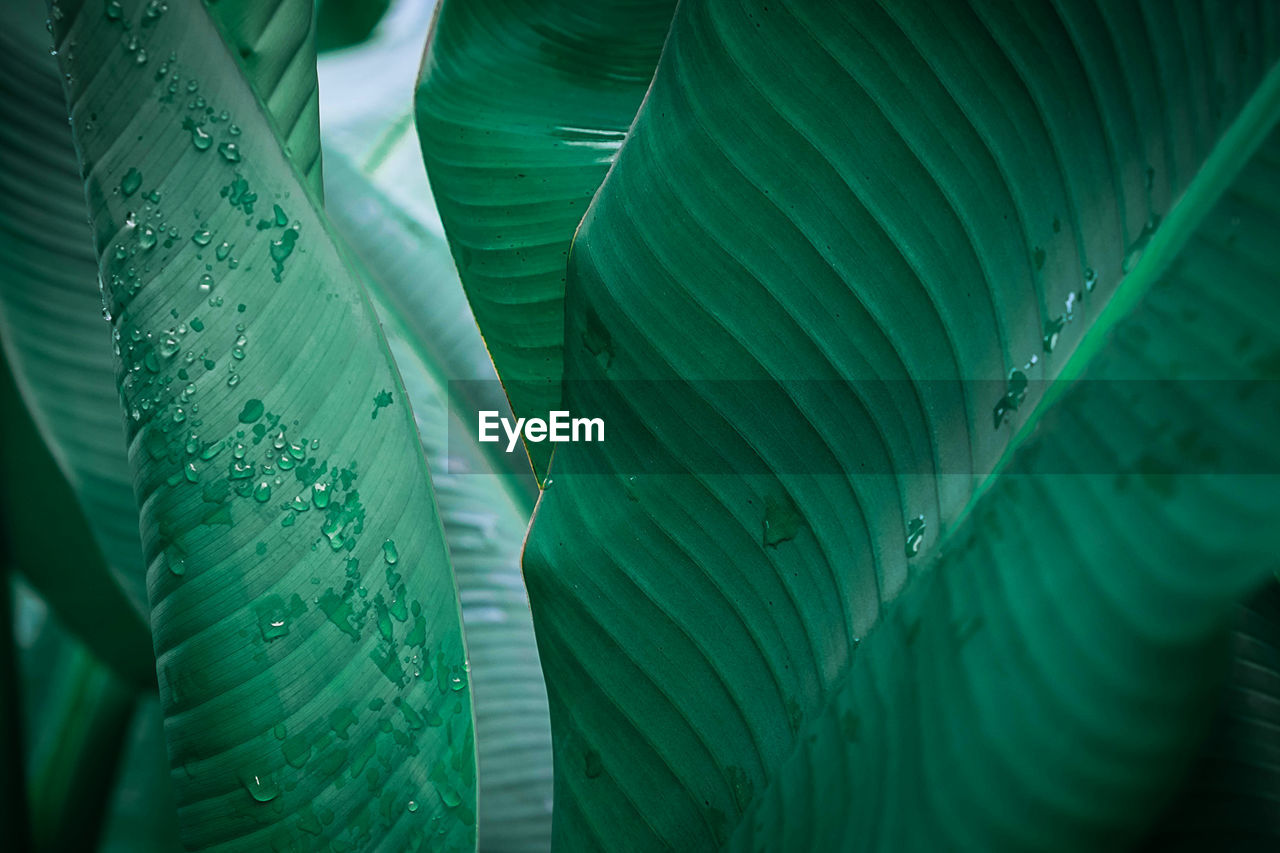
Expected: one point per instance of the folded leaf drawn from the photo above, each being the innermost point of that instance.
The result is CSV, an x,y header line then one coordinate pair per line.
x,y
879,229
274,43
521,106
484,510
306,624
384,211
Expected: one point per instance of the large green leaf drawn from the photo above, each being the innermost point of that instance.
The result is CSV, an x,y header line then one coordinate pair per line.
x,y
343,23
142,817
386,215
76,712
305,620
13,807
274,43
483,509
50,317
521,107
48,540
1231,797
878,227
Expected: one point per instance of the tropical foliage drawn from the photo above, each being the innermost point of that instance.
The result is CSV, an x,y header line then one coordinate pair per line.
x,y
937,348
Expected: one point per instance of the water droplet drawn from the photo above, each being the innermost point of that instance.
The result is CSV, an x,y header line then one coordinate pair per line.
x,y
252,410
176,561
201,237
915,535
147,237
230,152
199,138
389,552
782,520
262,493
131,181
1052,330
320,495
222,251
114,11
262,788
1013,396
413,806
1139,245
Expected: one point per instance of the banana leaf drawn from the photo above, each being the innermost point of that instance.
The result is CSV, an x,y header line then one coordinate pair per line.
x,y
296,564
521,108
954,458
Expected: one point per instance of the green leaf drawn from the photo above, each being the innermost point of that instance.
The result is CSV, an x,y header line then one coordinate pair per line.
x,y
485,495
1228,799
142,816
344,23
69,509
521,106
274,44
384,211
76,714
13,806
48,540
485,509
306,624
50,318
778,614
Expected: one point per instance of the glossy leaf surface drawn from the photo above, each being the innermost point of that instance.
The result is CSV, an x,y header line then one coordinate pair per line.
x,y
782,617
297,569
521,108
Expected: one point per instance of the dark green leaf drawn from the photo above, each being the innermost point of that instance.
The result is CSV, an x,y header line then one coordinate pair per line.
x,y
1230,799
484,510
521,107
920,208
50,317
79,546
343,23
306,625
76,715
48,541
142,816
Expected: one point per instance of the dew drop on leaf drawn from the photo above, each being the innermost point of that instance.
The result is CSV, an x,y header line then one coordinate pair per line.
x,y
915,535
1052,330
131,181
262,787
782,520
252,410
